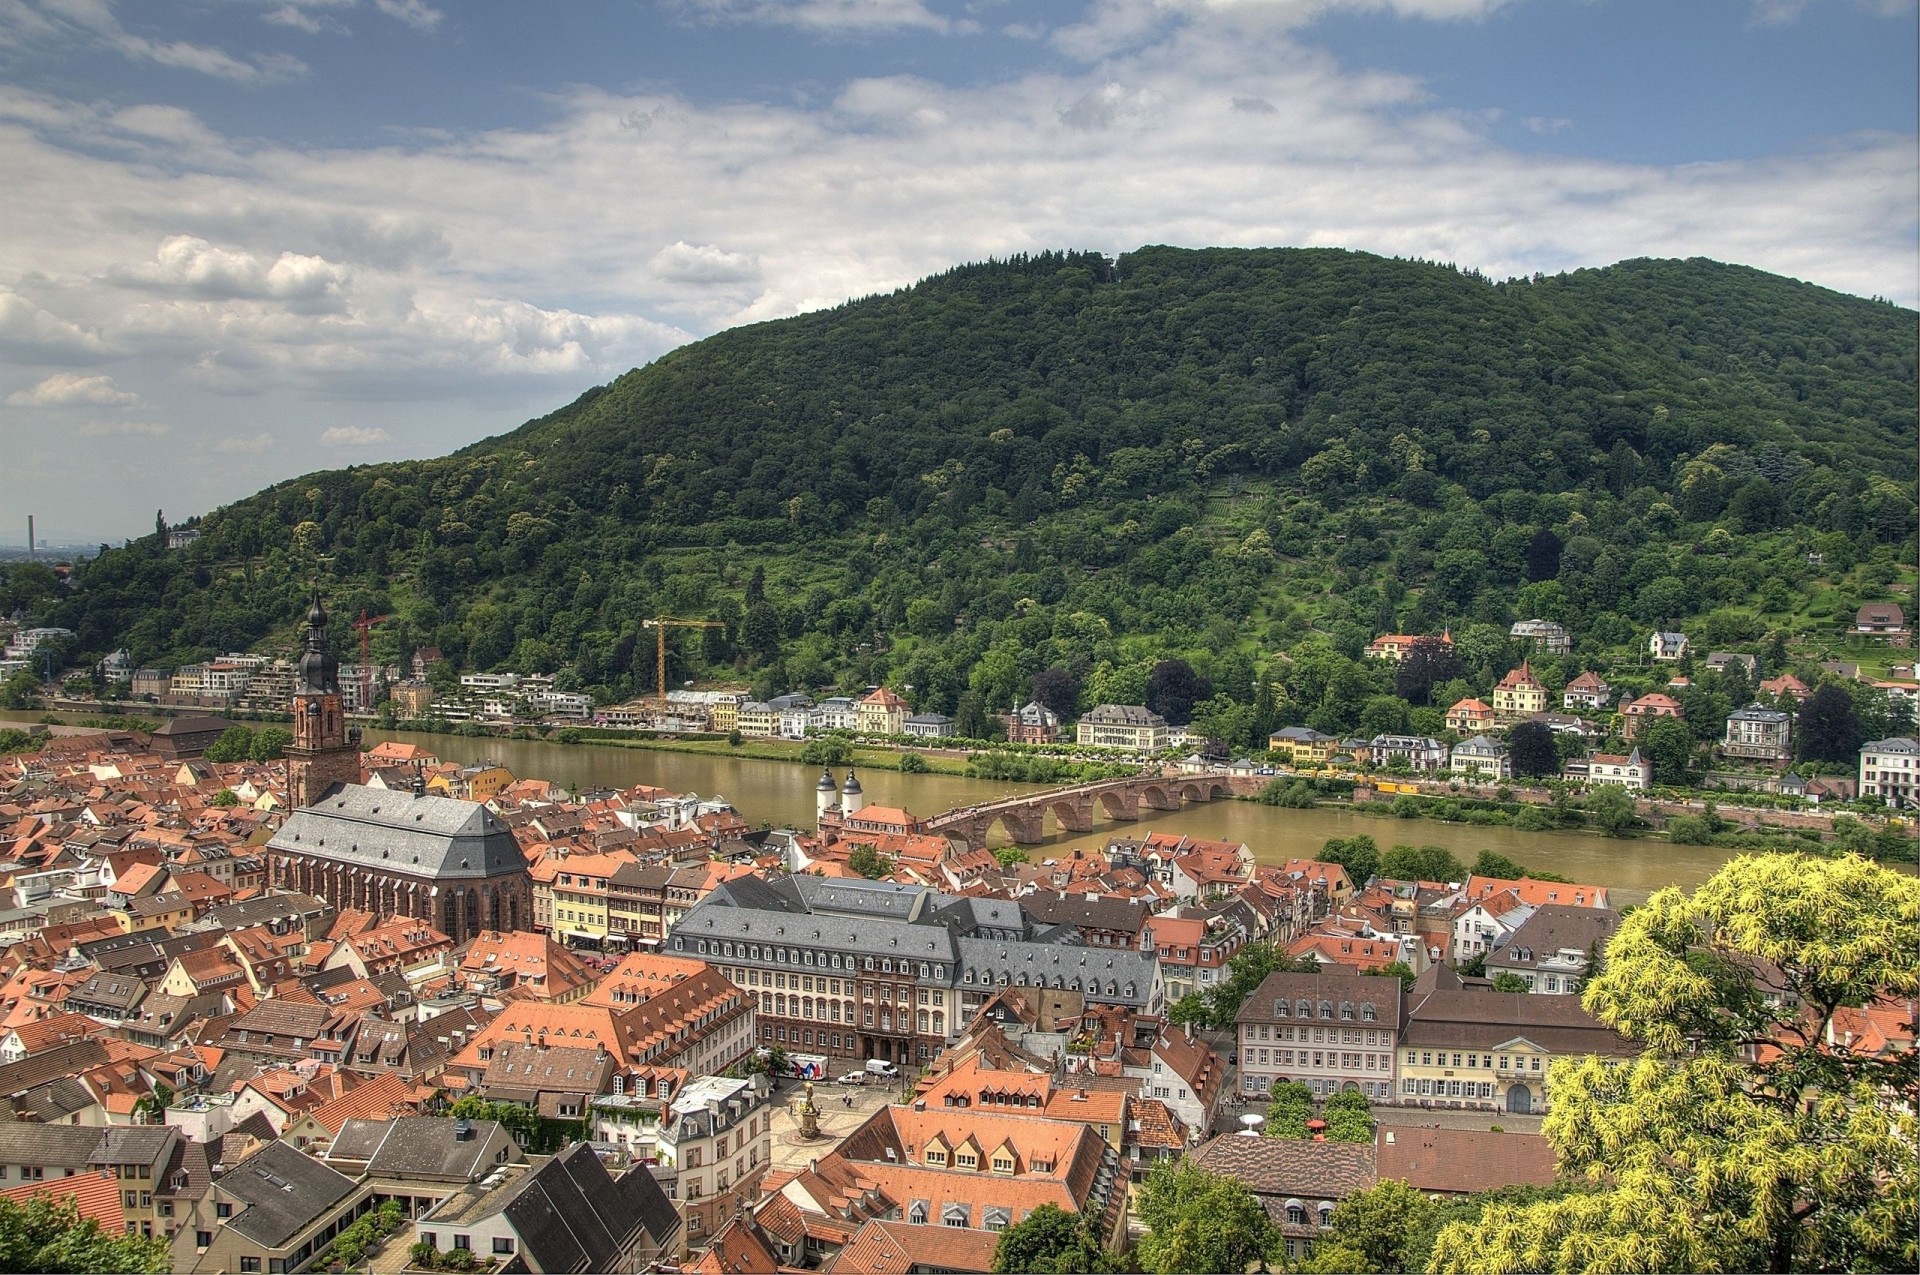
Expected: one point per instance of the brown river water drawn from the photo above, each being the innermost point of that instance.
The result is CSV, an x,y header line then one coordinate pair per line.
x,y
782,794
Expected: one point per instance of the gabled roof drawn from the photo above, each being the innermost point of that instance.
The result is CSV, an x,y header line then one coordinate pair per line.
x,y
284,1191
426,836
96,1195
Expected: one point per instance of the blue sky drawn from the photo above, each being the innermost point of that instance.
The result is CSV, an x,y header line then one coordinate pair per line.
x,y
251,238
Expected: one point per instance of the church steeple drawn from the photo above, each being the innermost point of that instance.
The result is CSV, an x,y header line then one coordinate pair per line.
x,y
319,670
323,754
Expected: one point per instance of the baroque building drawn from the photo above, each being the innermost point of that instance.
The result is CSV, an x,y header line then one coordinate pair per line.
x,y
452,864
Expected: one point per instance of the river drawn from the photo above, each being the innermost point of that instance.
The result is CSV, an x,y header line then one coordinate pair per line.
x,y
781,793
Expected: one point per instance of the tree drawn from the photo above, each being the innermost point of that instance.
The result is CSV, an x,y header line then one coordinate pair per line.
x,y
1510,983
1058,689
1289,1108
1611,808
234,744
1543,555
1426,663
1536,754
1427,863
1379,1226
47,1234
1246,970
20,691
1359,855
1668,744
1741,1139
913,764
1049,1241
1173,688
1827,727
1395,969
226,798
1492,863
970,716
869,862
1201,1222
270,744
1349,1117
1008,856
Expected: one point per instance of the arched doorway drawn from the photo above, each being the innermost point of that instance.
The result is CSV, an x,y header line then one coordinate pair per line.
x,y
1520,1100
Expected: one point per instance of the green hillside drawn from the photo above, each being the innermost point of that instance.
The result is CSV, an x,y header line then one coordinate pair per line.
x,y
1062,461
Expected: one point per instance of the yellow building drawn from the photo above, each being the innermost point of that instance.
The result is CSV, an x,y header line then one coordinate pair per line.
x,y
725,714
479,782
758,720
1472,1049
570,893
412,699
1303,746
1520,694
882,713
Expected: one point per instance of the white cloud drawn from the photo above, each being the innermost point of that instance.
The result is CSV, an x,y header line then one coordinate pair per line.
x,y
69,389
481,278
251,446
683,262
834,16
94,22
124,429
28,330
1781,12
419,16
355,436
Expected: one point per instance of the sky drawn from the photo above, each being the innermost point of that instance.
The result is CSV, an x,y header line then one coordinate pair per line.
x,y
242,240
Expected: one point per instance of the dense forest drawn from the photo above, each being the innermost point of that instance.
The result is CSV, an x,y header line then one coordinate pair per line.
x,y
1072,467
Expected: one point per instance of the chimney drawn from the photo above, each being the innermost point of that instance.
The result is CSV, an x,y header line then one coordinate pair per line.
x,y
29,537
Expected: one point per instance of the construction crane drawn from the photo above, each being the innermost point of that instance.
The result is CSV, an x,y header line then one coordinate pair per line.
x,y
363,626
661,623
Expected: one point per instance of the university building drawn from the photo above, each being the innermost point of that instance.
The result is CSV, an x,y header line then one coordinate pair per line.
x,y
868,969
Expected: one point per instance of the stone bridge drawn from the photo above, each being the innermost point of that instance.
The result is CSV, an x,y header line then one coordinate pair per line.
x,y
1121,800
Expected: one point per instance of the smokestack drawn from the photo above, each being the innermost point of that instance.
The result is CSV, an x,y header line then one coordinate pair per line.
x,y
29,537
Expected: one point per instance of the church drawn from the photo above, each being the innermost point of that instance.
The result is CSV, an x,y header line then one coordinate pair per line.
x,y
453,864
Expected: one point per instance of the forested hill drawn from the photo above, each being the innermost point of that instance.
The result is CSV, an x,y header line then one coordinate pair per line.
x,y
1062,460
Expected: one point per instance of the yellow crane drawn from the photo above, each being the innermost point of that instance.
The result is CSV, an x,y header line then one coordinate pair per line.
x,y
661,623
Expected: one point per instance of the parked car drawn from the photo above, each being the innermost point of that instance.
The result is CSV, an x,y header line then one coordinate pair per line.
x,y
852,1078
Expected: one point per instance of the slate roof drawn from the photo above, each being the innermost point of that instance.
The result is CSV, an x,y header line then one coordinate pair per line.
x,y
572,1216
419,1146
426,836
138,1144
1126,915
54,1146
1551,928
1472,1019
284,1191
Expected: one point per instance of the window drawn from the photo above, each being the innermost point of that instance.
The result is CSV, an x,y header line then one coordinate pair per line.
x,y
463,1241
203,1239
503,1244
222,1209
249,1264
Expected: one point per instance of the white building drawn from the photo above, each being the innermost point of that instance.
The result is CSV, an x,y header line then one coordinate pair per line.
x,y
1423,754
1667,647
1483,758
1632,771
1887,771
1544,634
489,681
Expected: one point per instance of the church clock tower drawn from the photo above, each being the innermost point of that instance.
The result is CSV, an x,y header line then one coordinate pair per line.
x,y
322,755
